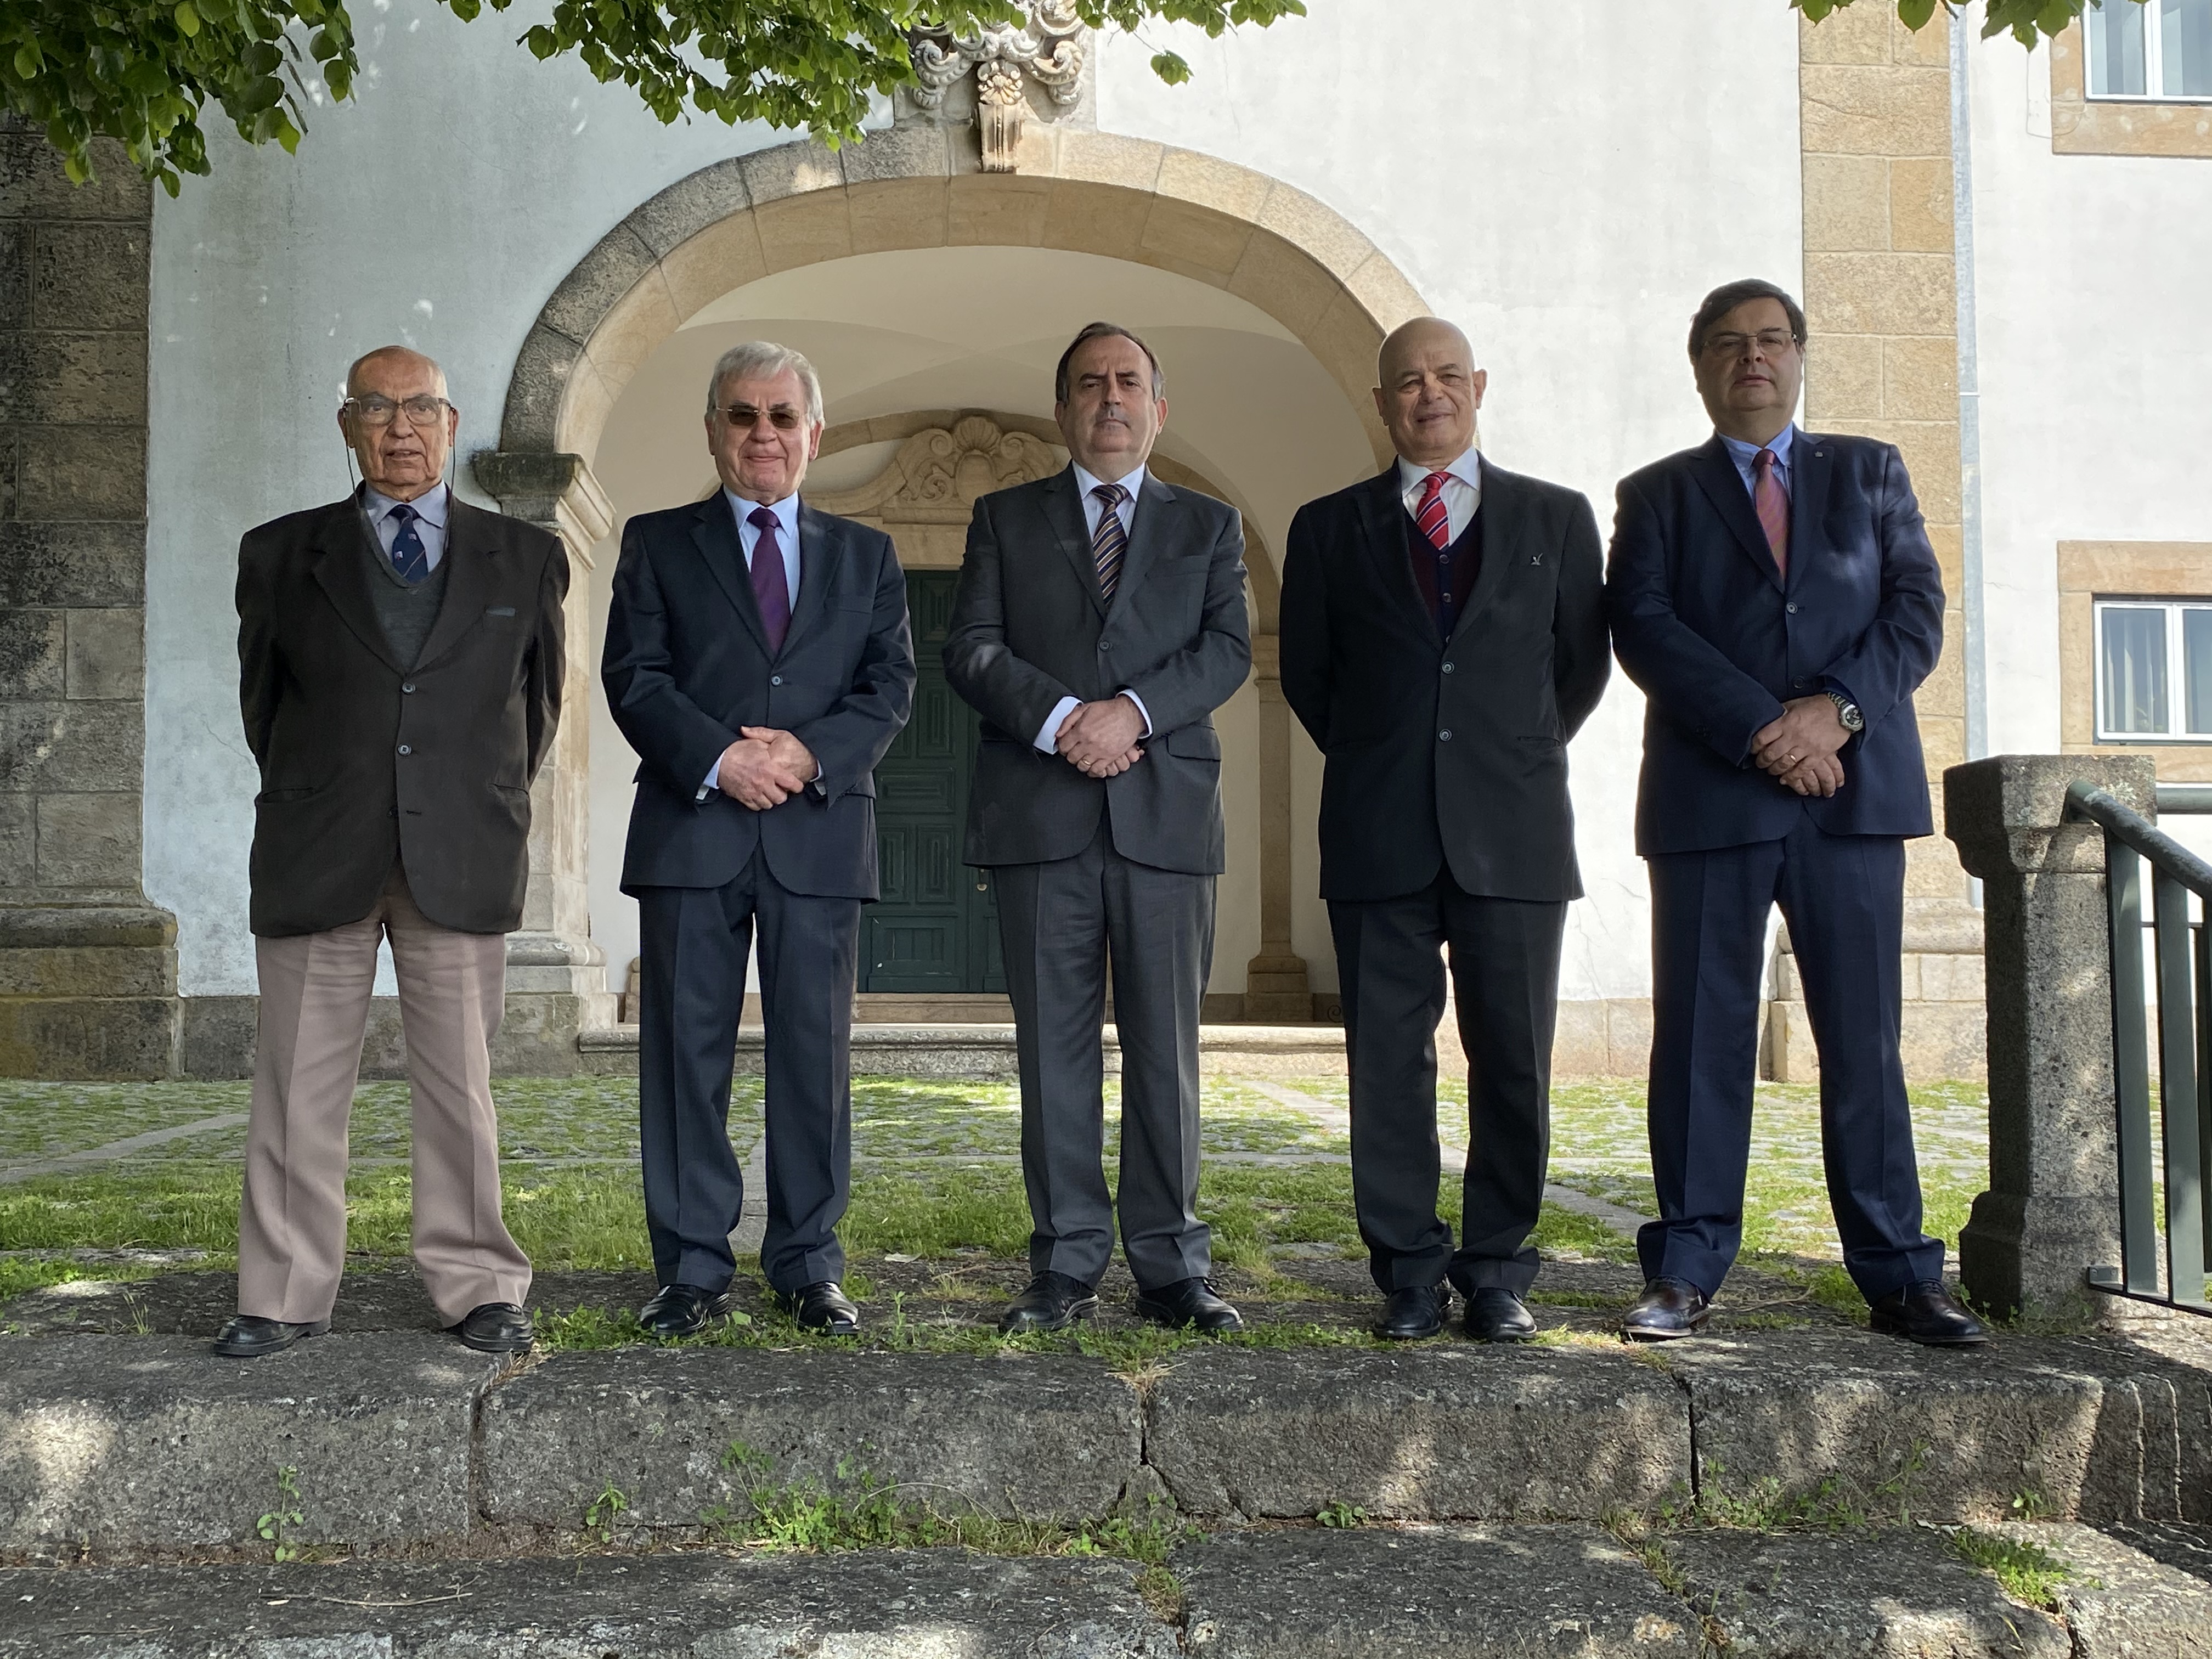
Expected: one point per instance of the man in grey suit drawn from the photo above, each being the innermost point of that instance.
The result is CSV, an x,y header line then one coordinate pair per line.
x,y
1100,621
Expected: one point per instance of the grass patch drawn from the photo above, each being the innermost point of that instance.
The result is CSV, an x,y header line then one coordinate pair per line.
x,y
2029,1575
19,1275
1560,1230
1835,1504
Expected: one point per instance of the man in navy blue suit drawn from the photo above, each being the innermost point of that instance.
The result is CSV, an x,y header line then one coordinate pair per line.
x,y
1774,593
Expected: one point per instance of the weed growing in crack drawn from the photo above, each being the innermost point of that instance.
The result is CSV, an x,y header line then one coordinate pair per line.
x,y
2030,1574
1338,1513
602,1513
1835,1503
275,1527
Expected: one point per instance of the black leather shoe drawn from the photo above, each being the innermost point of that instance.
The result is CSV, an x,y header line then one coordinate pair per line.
x,y
248,1336
683,1310
496,1327
1929,1314
1494,1314
1414,1311
1667,1308
1052,1302
823,1306
1189,1303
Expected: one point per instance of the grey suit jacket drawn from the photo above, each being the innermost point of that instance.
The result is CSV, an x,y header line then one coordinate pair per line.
x,y
1029,628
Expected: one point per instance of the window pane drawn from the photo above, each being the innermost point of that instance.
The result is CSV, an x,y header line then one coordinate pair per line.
x,y
2116,49
2185,47
2134,668
2197,651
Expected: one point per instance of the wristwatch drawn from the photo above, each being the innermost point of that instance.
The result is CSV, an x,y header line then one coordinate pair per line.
x,y
1847,712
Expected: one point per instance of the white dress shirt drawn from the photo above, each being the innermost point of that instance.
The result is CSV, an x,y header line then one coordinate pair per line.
x,y
430,509
787,542
1462,489
1132,484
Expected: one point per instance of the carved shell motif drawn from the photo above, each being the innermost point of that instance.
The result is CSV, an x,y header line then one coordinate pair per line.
x,y
937,474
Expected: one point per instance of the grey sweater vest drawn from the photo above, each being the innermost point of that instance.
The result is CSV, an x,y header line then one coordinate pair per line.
x,y
407,614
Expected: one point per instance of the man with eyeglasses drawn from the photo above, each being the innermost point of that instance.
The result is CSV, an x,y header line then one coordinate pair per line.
x,y
1774,593
400,660
759,662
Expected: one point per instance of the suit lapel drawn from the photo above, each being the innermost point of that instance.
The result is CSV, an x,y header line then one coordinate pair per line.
x,y
1382,521
1505,531
1156,523
1064,511
470,584
816,556
1716,473
1812,465
715,533
343,537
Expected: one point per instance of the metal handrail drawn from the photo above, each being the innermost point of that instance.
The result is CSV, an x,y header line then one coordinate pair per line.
x,y
2182,953
2185,799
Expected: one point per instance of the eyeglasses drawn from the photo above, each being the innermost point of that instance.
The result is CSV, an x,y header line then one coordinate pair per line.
x,y
381,411
1772,341
746,418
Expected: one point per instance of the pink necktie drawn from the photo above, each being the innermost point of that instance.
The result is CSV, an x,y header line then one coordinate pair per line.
x,y
1772,502
1433,517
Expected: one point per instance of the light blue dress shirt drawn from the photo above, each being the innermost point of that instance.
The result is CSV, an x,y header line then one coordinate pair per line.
x,y
1746,457
1048,736
431,507
787,542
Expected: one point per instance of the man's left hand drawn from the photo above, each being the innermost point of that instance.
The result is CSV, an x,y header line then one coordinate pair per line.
x,y
786,750
1809,726
1099,735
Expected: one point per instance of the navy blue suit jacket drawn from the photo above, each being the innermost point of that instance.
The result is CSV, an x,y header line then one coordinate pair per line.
x,y
687,663
1706,624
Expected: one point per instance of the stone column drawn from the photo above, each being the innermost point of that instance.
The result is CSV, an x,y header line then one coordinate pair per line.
x,y
2052,1209
1276,992
87,967
556,975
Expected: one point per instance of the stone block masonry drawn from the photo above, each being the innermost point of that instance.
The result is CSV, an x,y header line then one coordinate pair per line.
x,y
87,967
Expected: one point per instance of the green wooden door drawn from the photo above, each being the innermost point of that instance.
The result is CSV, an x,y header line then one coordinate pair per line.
x,y
936,927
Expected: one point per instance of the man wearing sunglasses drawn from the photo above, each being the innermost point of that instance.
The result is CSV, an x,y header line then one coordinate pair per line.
x,y
400,660
759,660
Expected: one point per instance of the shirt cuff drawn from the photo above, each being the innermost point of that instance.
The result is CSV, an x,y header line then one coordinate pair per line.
x,y
1048,736
1141,709
713,783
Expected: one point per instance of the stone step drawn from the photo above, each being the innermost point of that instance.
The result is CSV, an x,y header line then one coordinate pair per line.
x,y
1493,1592
117,1447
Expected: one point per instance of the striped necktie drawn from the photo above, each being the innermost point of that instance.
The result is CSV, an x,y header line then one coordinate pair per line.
x,y
1109,541
1433,517
1772,502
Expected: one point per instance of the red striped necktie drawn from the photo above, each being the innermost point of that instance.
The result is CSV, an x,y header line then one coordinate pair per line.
x,y
1772,502
1433,516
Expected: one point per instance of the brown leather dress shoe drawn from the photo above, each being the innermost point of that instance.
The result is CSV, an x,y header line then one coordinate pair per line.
x,y
1927,1314
1667,1308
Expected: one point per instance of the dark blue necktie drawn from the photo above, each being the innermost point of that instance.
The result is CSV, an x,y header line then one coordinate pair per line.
x,y
409,557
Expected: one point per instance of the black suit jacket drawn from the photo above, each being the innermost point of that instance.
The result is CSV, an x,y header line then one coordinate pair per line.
x,y
1029,628
1445,754
687,663
1707,625
365,759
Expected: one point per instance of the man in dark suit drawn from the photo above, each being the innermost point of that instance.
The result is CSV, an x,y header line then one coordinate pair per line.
x,y
1774,593
399,674
759,660
1099,621
1442,641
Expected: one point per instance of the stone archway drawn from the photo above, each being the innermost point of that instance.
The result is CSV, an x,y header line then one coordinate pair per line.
x,y
911,186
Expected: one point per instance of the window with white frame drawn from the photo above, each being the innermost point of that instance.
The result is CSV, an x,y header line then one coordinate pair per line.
x,y
2149,48
2154,670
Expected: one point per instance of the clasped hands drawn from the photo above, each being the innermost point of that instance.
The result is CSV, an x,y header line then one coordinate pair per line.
x,y
765,768
1099,739
1799,749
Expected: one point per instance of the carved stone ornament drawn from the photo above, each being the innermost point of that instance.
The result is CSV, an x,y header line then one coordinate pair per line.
x,y
1045,51
937,474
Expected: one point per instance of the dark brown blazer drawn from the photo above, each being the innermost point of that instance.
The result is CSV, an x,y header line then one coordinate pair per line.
x,y
364,759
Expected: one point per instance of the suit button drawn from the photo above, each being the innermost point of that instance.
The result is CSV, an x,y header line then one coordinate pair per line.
x,y
775,679
410,686
1105,644
404,750
1797,685
1791,609
1447,668
1443,736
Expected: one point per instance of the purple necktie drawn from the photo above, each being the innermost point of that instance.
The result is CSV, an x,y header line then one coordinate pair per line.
x,y
770,590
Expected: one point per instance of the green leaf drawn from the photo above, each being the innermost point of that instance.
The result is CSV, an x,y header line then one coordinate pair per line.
x,y
1915,14
1171,68
188,18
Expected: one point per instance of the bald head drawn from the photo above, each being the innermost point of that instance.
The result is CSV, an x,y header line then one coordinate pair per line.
x,y
1429,391
381,366
398,421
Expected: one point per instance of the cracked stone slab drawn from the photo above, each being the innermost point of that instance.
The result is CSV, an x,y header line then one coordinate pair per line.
x,y
1022,1435
938,1604
2119,1603
1447,1432
1945,1434
1532,1592
1894,1594
152,1442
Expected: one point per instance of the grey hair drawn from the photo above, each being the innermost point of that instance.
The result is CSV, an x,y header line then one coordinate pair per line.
x,y
763,360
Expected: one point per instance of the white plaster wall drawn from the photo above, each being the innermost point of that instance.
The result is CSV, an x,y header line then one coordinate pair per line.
x,y
2092,274
1566,192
